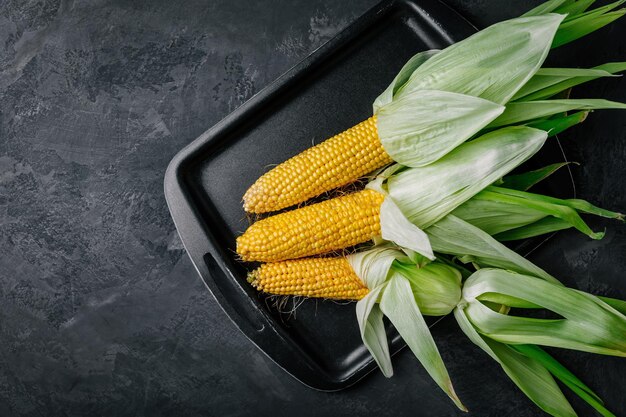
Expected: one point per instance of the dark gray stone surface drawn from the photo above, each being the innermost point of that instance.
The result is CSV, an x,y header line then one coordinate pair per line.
x,y
101,312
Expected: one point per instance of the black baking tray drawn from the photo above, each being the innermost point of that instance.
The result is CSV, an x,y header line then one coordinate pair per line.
x,y
329,91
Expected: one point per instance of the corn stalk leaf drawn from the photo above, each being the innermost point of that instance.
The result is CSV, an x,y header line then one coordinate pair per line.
x,y
421,127
370,319
576,204
454,236
426,194
398,304
587,22
535,203
525,181
559,123
528,374
528,110
495,217
619,305
551,81
492,64
412,64
588,323
565,376
540,227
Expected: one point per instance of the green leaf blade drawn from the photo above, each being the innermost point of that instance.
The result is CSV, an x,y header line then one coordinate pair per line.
x,y
523,111
523,182
559,123
540,227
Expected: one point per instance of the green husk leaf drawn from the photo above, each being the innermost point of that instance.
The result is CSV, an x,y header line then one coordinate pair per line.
x,y
525,181
542,87
454,236
565,376
370,319
540,227
492,64
403,76
559,123
523,111
427,194
421,127
529,375
398,304
586,23
588,323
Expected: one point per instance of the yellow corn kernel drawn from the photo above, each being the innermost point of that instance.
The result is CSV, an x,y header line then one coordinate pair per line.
x,y
331,278
323,227
333,163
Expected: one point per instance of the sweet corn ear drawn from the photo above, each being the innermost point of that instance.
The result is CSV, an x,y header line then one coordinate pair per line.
x,y
323,227
333,163
331,278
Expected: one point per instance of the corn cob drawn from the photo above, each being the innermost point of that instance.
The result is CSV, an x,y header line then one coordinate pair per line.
x,y
319,228
331,278
342,159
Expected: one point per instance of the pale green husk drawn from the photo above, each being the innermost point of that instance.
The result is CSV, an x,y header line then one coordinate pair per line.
x,y
492,64
395,227
412,64
426,194
422,126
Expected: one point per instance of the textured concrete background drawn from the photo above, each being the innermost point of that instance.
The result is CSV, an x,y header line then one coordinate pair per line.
x,y
101,312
